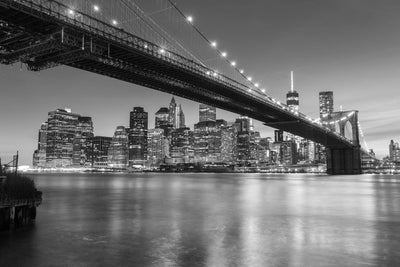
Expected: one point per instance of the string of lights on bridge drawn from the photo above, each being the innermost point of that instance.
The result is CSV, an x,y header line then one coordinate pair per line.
x,y
213,44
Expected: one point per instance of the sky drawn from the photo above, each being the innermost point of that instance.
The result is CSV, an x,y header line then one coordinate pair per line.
x,y
350,47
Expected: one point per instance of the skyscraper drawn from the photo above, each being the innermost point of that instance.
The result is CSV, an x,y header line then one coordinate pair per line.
x,y
40,153
181,118
292,97
138,127
118,153
244,128
64,140
155,147
207,113
99,151
394,151
162,118
173,114
61,132
82,146
181,146
325,103
207,141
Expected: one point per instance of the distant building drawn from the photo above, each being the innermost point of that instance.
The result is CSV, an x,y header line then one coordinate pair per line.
x,y
181,147
156,151
162,118
292,97
98,155
181,118
208,141
244,128
207,113
40,154
81,144
64,130
228,144
138,127
118,153
394,152
162,121
176,116
325,103
288,152
278,136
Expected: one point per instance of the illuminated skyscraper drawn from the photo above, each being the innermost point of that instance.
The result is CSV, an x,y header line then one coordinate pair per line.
x,y
118,153
99,151
176,116
155,147
181,118
292,97
394,152
325,103
138,127
207,113
61,132
162,118
82,146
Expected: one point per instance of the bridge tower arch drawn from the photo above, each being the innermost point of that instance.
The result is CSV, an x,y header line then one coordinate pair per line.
x,y
341,159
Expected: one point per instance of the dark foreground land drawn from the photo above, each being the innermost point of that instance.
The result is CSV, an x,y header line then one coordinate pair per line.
x,y
18,201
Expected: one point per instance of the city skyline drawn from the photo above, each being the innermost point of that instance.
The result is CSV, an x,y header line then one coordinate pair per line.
x,y
360,70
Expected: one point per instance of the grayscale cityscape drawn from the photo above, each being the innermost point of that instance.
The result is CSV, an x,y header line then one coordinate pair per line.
x,y
199,133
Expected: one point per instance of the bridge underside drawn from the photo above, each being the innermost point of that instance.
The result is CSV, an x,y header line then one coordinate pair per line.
x,y
41,41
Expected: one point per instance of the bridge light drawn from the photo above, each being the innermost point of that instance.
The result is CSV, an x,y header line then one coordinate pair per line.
x,y
215,74
189,19
249,90
233,63
145,46
162,50
249,78
71,12
96,8
114,22
256,85
224,54
208,72
241,71
214,44
263,90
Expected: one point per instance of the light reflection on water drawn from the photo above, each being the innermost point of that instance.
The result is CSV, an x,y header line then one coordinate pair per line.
x,y
211,220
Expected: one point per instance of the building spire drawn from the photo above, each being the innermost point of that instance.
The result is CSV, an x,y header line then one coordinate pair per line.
x,y
291,82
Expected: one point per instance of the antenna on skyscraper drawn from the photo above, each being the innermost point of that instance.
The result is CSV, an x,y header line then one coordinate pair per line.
x,y
291,81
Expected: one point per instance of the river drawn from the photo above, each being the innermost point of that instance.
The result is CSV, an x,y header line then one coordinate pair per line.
x,y
155,219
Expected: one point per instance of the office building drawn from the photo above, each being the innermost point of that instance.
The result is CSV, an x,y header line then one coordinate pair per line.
x,y
118,153
138,127
325,103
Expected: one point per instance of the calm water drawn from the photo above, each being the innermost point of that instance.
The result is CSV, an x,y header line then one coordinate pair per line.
x,y
210,220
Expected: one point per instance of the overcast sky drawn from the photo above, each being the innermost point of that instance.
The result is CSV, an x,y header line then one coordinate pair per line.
x,y
351,47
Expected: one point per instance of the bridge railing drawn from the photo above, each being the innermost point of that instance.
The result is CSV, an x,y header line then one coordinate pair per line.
x,y
90,24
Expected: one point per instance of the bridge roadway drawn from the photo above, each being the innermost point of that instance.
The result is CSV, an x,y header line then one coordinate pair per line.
x,y
43,34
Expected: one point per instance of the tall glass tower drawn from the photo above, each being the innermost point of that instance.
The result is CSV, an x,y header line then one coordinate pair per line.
x,y
292,97
325,103
138,127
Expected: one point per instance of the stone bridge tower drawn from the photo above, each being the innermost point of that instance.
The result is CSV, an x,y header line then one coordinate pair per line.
x,y
343,159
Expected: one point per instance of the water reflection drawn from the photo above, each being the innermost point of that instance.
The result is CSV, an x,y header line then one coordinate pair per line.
x,y
211,220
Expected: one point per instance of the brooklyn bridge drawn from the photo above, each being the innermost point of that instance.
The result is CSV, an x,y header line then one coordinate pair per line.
x,y
121,40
